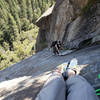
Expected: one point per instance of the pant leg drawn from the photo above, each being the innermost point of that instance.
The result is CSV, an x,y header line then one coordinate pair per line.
x,y
79,89
54,89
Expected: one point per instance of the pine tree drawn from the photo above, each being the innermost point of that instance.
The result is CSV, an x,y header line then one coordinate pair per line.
x,y
23,11
29,10
11,33
14,11
1,37
17,30
3,11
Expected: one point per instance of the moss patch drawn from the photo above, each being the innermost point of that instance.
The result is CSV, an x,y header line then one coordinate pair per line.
x,y
88,6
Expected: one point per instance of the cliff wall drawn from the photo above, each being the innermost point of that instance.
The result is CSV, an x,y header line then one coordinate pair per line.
x,y
74,22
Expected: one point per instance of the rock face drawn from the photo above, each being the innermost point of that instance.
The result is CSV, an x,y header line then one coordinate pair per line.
x,y
24,80
44,23
74,22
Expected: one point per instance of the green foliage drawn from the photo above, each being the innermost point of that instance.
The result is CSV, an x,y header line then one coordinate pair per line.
x,y
1,35
29,10
17,30
25,24
21,49
5,46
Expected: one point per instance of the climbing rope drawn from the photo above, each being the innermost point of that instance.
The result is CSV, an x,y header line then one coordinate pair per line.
x,y
98,90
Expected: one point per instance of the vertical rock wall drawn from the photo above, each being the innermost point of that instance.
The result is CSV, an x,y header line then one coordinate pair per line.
x,y
74,22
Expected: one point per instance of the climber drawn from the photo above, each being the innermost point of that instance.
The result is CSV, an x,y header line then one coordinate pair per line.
x,y
56,45
59,44
67,86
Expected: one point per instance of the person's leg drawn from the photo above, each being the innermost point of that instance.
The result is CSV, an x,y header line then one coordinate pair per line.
x,y
54,89
54,50
79,89
57,50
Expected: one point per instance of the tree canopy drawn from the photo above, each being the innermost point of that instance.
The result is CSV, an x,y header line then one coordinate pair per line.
x,y
17,30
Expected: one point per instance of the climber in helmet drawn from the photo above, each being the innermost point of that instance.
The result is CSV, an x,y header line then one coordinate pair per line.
x,y
56,45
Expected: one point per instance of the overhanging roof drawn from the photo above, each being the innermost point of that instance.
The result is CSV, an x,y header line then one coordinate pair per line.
x,y
45,14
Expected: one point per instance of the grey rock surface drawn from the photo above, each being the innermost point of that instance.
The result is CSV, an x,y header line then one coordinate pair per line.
x,y
24,80
70,23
